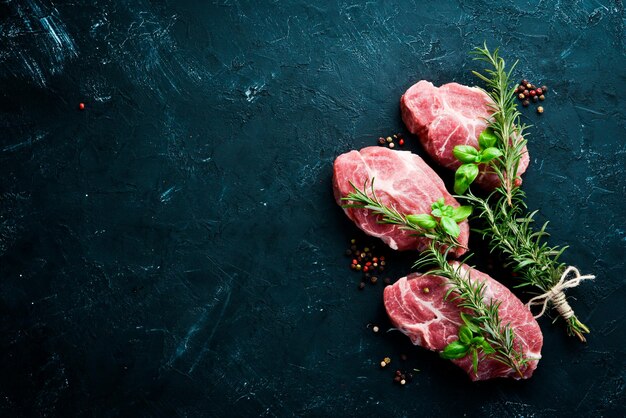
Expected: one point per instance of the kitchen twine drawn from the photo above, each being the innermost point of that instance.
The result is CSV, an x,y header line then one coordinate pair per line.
x,y
556,295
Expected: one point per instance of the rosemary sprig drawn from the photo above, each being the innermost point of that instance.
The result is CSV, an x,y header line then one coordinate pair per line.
x,y
496,340
505,119
469,295
508,227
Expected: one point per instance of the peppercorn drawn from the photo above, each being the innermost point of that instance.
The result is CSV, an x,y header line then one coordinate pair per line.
x,y
361,285
401,142
352,241
542,97
387,360
389,139
403,382
535,99
373,279
365,268
539,91
381,141
81,106
526,93
358,267
524,81
426,290
521,96
375,328
525,103
544,89
383,364
533,93
540,109
391,145
397,379
529,86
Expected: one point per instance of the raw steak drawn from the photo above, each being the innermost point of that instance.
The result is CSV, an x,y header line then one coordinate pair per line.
x,y
448,116
402,180
432,322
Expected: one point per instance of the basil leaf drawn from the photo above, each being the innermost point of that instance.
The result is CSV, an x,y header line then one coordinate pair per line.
x,y
448,211
487,139
464,176
489,154
475,360
470,323
465,334
438,204
465,153
437,212
487,348
450,226
477,340
461,213
423,221
454,350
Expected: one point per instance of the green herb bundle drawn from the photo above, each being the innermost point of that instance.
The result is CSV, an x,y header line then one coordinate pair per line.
x,y
507,226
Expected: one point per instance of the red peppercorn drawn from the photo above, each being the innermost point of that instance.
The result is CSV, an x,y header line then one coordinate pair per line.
x,y
366,268
533,93
526,93
401,142
354,261
81,106
539,91
369,263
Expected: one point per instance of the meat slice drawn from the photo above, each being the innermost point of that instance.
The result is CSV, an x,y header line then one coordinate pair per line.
x,y
447,116
417,307
402,180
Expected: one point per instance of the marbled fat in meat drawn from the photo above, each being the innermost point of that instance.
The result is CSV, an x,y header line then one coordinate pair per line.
x,y
402,180
417,307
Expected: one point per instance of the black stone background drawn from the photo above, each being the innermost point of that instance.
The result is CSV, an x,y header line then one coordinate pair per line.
x,y
175,250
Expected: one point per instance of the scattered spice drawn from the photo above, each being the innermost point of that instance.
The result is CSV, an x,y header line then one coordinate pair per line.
x,y
81,106
527,92
365,260
375,328
387,360
390,141
540,109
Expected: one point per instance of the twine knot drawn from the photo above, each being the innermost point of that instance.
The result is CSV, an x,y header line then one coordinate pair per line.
x,y
556,294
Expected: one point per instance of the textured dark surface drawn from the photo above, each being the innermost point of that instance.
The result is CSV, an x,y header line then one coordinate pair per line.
x,y
175,250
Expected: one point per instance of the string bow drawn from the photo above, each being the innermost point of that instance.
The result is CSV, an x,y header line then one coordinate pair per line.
x,y
556,294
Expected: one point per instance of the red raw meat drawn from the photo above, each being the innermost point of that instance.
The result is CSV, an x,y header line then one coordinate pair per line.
x,y
447,116
433,322
402,180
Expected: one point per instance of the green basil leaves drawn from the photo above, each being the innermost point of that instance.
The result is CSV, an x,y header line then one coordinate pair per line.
x,y
470,342
471,157
442,216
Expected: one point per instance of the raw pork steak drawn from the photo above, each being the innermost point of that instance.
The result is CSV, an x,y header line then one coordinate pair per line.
x,y
402,180
417,307
448,116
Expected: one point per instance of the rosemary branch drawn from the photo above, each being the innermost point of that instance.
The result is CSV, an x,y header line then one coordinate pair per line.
x,y
467,294
508,227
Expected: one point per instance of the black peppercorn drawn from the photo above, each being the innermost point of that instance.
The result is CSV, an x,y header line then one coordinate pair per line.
x,y
525,103
535,99
361,285
544,89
